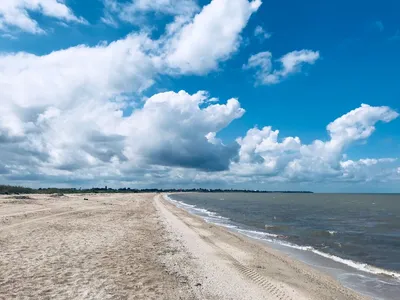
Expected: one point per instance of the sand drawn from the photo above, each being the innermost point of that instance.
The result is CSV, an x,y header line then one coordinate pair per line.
x,y
109,247
139,246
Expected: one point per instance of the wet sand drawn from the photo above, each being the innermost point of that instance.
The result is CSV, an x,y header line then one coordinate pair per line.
x,y
138,246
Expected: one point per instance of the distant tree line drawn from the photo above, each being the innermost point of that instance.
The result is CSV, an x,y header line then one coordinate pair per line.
x,y
9,190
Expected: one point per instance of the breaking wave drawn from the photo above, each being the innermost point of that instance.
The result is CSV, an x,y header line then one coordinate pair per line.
x,y
324,233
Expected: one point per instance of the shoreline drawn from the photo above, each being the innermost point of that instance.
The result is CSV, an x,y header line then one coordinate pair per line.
x,y
270,273
362,278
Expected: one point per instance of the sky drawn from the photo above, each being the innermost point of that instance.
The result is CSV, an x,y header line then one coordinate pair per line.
x,y
271,95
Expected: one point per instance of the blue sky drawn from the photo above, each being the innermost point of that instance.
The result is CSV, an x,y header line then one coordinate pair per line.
x,y
339,55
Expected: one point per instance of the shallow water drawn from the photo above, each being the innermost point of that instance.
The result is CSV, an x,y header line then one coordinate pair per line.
x,y
354,237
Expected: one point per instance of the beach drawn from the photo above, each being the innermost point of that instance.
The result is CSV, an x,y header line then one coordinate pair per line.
x,y
140,246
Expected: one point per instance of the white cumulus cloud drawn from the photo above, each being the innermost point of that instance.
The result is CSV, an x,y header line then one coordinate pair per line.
x,y
62,113
88,137
212,36
291,63
16,14
136,11
107,72
369,169
262,153
260,33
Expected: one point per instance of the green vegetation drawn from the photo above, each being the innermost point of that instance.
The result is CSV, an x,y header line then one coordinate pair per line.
x,y
12,190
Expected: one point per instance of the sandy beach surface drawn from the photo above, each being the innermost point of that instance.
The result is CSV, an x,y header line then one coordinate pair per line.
x,y
139,246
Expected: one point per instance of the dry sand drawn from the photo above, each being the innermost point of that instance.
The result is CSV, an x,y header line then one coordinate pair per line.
x,y
138,246
109,247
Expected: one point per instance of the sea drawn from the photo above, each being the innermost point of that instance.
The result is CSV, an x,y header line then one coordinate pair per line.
x,y
353,237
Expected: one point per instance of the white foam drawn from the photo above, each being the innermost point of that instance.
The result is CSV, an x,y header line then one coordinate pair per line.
x,y
195,209
253,233
204,211
359,266
356,265
228,226
186,205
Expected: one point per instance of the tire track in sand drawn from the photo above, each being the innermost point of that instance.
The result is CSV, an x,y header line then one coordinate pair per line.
x,y
251,274
24,213
262,281
271,288
46,218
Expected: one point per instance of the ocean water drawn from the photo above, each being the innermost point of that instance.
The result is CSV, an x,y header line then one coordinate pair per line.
x,y
353,237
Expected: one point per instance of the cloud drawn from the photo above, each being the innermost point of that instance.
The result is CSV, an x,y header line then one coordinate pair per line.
x,y
110,71
378,25
262,63
109,20
8,36
367,170
262,154
88,137
395,37
16,14
64,119
75,74
195,44
291,64
68,122
261,34
173,139
212,36
169,118
135,11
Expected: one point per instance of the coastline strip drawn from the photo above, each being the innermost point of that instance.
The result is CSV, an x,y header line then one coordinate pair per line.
x,y
243,266
214,218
